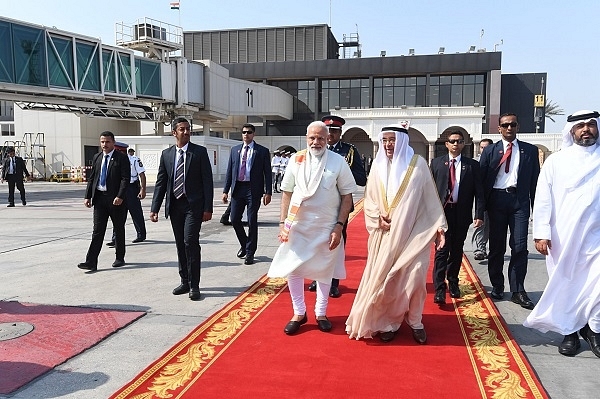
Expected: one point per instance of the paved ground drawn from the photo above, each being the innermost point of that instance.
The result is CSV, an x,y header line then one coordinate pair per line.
x,y
41,244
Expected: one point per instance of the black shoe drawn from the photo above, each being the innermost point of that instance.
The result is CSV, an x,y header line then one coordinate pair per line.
x,y
324,324
24,202
225,220
440,297
454,290
592,338
181,289
479,255
570,345
195,294
241,253
118,263
420,336
249,260
312,286
111,244
387,336
521,299
293,326
11,205
88,266
334,292
139,239
497,293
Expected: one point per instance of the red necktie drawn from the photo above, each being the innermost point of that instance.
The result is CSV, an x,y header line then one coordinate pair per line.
x,y
451,180
506,158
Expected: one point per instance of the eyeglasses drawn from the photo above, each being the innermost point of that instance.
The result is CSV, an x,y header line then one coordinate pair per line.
x,y
247,132
459,141
506,125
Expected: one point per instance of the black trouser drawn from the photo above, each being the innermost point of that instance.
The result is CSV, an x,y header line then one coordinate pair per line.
x,y
134,205
449,258
104,209
14,180
241,198
186,224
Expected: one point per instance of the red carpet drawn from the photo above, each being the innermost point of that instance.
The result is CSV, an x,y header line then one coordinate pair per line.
x,y
60,332
242,352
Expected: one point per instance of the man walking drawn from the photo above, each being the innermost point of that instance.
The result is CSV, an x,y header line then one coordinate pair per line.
x,y
458,183
354,160
250,180
510,170
106,191
481,233
13,170
317,197
566,227
185,178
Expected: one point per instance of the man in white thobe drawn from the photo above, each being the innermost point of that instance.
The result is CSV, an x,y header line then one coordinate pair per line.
x,y
566,228
403,215
317,197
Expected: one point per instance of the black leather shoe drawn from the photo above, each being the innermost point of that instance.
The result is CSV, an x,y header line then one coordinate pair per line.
x,y
249,260
420,336
118,263
454,290
10,205
440,297
334,292
479,256
312,286
181,289
293,326
592,338
110,244
570,345
225,220
139,239
521,299
497,293
241,253
387,336
88,266
195,294
324,324
24,203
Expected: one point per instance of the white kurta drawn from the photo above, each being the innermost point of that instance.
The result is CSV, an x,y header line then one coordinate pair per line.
x,y
566,212
306,253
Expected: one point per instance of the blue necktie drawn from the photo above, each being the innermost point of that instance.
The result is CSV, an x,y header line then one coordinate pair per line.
x,y
104,171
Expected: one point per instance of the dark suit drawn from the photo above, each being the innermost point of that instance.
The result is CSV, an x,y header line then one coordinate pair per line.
x,y
248,193
459,215
15,179
186,212
509,210
117,180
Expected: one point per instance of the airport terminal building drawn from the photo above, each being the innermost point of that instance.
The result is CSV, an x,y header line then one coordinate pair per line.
x,y
278,78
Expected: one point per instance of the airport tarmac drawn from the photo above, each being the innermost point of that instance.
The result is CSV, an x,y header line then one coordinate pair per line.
x,y
41,244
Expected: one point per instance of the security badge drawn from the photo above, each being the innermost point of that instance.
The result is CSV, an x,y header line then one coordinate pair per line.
x,y
140,163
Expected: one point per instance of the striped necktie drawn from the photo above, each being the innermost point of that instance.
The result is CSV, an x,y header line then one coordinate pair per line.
x,y
179,180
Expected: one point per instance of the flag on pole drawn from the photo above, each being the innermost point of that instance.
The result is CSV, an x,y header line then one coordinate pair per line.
x,y
175,5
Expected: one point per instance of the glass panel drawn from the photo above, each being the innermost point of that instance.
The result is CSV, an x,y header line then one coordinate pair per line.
x,y
411,82
125,81
388,97
421,81
148,78
62,55
377,82
324,101
355,97
468,94
469,79
479,94
311,100
434,96
364,97
456,95
444,96
334,98
88,66
345,83
7,72
388,81
445,80
110,80
364,83
457,79
345,98
302,84
479,79
325,84
399,81
377,97
355,83
434,80
410,97
29,55
311,84
420,96
399,96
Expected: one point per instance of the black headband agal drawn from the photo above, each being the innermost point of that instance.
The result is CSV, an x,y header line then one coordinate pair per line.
x,y
582,117
394,129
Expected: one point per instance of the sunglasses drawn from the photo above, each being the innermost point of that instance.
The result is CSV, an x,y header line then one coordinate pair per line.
x,y
247,132
506,125
459,141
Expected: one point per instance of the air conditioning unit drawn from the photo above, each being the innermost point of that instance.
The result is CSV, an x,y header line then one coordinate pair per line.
x,y
149,31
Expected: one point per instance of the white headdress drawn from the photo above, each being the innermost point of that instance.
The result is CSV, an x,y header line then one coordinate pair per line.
x,y
403,153
584,116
